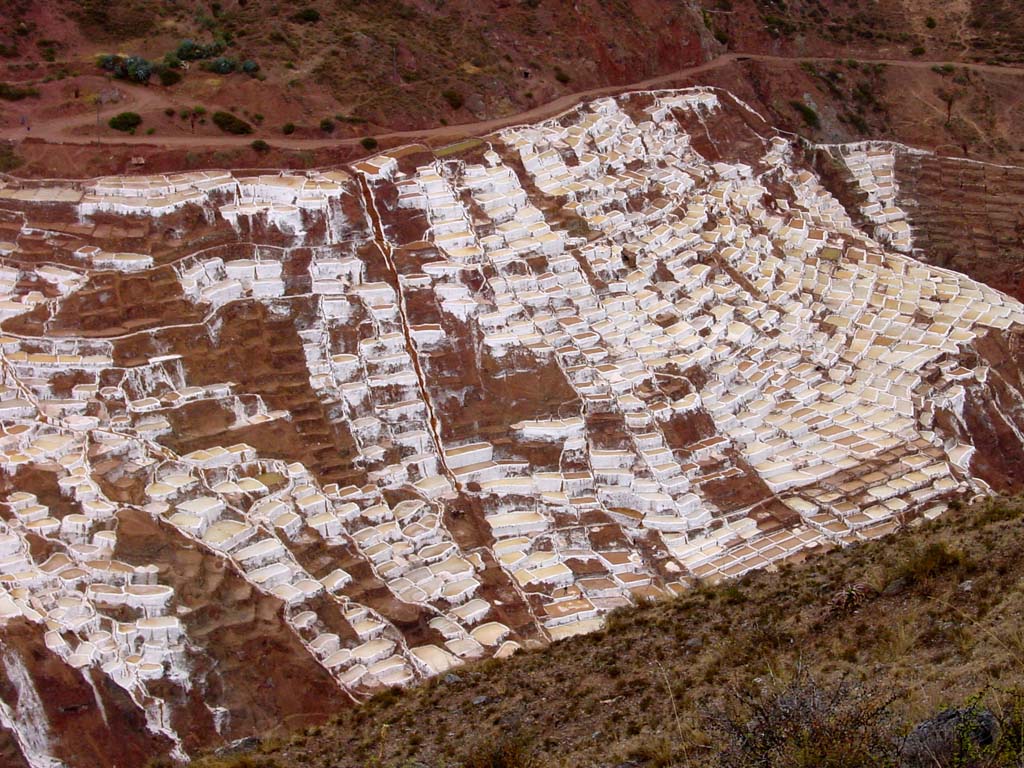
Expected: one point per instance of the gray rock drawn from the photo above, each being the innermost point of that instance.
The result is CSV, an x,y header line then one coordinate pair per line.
x,y
944,739
694,642
966,586
479,700
248,744
451,678
475,104
895,587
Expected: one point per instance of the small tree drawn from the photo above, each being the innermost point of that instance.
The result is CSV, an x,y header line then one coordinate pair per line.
x,y
369,143
288,129
327,125
260,145
949,96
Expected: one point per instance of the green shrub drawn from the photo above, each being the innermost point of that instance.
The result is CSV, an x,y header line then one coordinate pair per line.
x,y
169,111
561,75
454,98
930,22
327,125
169,77
231,124
221,65
9,160
125,121
807,113
925,563
917,50
307,16
504,752
260,145
288,129
369,143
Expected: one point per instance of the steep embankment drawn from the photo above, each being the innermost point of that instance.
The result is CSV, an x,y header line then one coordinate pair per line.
x,y
913,624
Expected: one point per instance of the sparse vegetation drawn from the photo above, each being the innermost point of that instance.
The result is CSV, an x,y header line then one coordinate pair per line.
x,y
928,562
9,92
507,751
453,97
809,115
307,16
9,159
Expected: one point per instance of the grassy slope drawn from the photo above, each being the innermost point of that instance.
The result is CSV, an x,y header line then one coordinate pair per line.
x,y
941,620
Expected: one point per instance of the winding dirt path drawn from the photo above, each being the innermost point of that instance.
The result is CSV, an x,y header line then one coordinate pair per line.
x,y
58,131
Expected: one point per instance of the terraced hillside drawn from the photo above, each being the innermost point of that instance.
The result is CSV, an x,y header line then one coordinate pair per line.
x,y
276,442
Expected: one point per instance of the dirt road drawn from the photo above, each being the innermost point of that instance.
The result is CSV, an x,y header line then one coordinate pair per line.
x,y
61,130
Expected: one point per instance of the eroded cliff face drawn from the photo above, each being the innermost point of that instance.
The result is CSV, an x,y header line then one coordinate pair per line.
x,y
991,414
274,443
58,715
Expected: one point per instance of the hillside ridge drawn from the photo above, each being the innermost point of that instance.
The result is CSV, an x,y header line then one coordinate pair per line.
x,y
924,621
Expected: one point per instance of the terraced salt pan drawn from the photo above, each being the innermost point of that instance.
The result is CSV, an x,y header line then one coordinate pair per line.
x,y
717,336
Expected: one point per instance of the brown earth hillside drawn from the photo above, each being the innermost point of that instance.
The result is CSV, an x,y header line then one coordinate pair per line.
x,y
894,630
348,68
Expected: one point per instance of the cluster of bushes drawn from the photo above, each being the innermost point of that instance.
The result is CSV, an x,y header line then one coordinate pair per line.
x,y
190,50
134,68
222,65
139,70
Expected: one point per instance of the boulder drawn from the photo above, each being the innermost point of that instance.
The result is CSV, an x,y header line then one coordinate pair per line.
x,y
949,737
